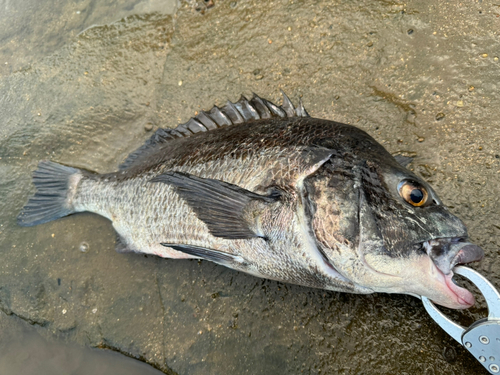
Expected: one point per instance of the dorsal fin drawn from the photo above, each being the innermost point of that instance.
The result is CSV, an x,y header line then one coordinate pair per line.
x,y
243,110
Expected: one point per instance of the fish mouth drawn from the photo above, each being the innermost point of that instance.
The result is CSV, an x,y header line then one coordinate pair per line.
x,y
446,253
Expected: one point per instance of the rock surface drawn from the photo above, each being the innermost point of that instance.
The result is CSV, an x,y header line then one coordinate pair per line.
x,y
423,79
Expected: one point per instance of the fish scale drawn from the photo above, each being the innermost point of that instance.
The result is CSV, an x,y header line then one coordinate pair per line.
x,y
273,192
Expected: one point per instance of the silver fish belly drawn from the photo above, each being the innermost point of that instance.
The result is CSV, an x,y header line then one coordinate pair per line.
x,y
270,191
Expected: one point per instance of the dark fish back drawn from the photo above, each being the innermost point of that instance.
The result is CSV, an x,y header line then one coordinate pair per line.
x,y
240,112
242,129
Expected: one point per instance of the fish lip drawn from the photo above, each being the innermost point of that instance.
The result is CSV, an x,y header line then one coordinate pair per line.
x,y
464,298
467,254
447,252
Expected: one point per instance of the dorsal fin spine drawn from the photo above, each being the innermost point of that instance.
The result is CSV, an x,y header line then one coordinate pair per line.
x,y
287,105
247,111
219,116
183,130
175,133
233,113
195,126
252,110
260,106
206,120
230,114
301,111
278,111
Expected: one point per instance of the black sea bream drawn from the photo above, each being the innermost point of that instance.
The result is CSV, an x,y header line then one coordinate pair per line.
x,y
270,191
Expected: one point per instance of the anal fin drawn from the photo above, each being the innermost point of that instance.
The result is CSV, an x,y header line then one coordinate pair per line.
x,y
121,245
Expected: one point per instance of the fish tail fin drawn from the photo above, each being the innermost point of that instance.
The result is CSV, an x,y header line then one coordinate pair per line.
x,y
55,188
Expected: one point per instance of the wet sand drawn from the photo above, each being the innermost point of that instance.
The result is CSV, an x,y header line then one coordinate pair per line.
x,y
422,78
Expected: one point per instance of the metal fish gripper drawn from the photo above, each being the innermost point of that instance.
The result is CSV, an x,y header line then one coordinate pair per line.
x,y
482,338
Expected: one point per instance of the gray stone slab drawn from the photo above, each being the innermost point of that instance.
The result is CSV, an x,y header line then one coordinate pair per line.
x,y
422,78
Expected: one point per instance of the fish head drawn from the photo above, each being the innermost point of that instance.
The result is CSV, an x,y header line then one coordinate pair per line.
x,y
385,229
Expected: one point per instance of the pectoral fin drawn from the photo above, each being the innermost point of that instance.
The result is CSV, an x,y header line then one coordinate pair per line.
x,y
220,205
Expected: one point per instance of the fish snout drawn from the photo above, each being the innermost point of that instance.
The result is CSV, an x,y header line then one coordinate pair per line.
x,y
446,253
467,253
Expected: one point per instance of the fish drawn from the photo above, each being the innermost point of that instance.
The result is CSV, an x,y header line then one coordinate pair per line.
x,y
273,192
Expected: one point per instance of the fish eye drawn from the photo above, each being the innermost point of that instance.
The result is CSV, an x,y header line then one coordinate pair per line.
x,y
413,193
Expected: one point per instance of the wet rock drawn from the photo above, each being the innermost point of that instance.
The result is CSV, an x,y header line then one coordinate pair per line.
x,y
154,309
